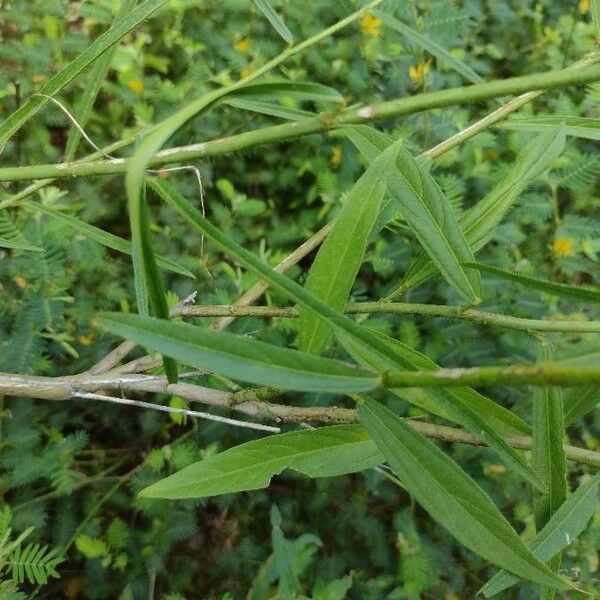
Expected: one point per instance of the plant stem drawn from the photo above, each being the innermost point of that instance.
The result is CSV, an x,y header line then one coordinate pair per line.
x,y
248,402
287,131
431,310
540,374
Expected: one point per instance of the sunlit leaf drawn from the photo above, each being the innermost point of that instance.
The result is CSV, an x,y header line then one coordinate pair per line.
x,y
322,452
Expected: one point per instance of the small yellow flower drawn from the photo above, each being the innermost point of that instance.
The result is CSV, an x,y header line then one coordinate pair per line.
x,y
495,469
21,282
243,46
39,78
418,72
336,156
135,85
86,340
584,6
370,25
563,247
246,72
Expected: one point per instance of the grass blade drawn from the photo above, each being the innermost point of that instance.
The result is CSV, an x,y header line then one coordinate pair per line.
x,y
427,213
336,265
430,46
269,12
548,458
100,45
93,84
102,237
322,452
241,359
564,527
451,497
533,283
479,222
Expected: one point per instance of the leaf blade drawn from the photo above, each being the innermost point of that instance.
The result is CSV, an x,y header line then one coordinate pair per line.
x,y
338,260
276,21
450,496
239,358
322,452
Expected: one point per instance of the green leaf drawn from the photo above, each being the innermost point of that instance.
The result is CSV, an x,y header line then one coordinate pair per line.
x,y
102,237
451,497
269,108
564,527
428,214
430,46
464,406
556,289
239,358
269,12
278,282
548,457
583,127
578,402
100,45
445,403
596,17
11,236
480,221
93,84
322,452
336,265
35,563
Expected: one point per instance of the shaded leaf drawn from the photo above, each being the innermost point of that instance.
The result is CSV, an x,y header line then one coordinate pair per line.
x,y
564,527
557,289
432,47
451,497
269,12
100,45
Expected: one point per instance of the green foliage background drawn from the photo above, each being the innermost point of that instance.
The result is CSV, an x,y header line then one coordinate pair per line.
x,y
354,537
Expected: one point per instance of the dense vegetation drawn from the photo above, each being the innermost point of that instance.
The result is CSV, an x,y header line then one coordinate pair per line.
x,y
445,245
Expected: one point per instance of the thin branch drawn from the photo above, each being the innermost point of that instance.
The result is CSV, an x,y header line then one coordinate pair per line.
x,y
247,402
540,374
278,133
176,411
431,310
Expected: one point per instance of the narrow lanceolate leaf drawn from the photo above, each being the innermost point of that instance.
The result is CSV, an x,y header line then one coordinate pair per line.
x,y
430,217
548,458
270,108
596,18
558,289
269,12
278,282
94,82
451,497
239,358
336,265
322,452
564,527
136,171
102,237
583,127
464,406
479,222
426,43
100,45
579,402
